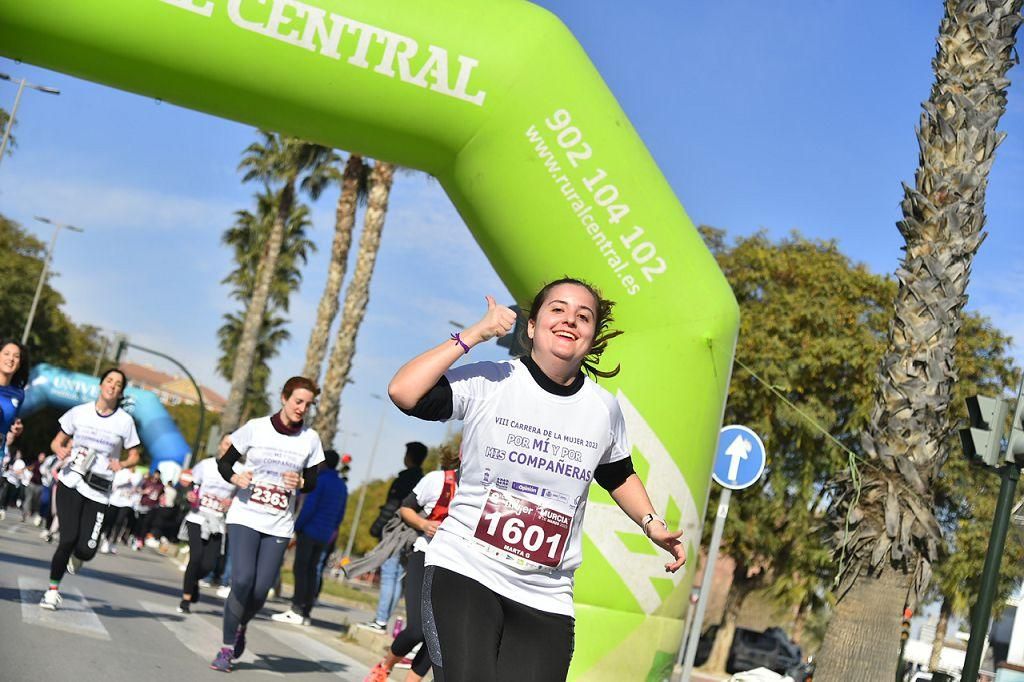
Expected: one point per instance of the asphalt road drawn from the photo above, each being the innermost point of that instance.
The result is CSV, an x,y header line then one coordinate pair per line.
x,y
118,623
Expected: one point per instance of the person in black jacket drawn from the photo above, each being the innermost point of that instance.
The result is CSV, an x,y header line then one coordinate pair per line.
x,y
391,571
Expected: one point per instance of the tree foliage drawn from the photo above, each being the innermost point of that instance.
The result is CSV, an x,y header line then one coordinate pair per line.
x,y
5,118
54,337
813,324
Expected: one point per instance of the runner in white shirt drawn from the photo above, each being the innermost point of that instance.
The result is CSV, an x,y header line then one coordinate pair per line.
x,y
121,514
11,468
281,458
497,600
92,438
210,497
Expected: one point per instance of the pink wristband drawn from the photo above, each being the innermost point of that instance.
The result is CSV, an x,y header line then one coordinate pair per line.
x,y
458,339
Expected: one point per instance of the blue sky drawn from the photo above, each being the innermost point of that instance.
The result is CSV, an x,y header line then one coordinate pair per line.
x,y
774,116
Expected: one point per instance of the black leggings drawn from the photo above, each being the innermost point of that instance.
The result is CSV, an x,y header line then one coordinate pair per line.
x,y
473,633
11,494
413,632
80,522
307,558
202,557
255,564
117,520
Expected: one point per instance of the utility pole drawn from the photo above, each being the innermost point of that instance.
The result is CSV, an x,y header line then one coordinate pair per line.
x,y
46,264
22,83
366,481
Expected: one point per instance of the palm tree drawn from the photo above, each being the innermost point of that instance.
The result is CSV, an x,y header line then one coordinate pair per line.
x,y
356,298
272,335
888,535
283,162
248,237
353,191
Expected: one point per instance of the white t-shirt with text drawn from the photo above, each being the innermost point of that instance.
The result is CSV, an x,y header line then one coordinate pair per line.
x,y
104,436
125,482
215,494
266,506
528,457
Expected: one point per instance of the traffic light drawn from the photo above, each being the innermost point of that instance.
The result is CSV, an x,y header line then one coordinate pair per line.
x,y
512,339
905,625
1015,448
981,440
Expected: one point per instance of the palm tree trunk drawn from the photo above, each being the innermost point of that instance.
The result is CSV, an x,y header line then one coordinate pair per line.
x,y
345,216
254,313
356,298
945,611
719,655
741,587
852,650
799,624
909,431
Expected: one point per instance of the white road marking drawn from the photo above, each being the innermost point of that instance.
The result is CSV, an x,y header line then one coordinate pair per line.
x,y
326,657
74,615
199,636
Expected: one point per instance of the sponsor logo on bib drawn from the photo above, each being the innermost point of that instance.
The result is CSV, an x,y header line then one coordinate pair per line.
x,y
524,487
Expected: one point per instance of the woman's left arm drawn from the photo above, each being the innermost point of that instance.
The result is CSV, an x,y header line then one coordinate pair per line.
x,y
631,496
128,462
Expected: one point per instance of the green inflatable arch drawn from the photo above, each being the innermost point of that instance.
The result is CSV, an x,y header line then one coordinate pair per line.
x,y
498,101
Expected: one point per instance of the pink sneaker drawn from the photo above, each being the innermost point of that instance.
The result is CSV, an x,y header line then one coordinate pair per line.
x,y
378,674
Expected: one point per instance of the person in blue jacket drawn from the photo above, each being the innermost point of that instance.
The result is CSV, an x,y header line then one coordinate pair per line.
x,y
321,514
14,366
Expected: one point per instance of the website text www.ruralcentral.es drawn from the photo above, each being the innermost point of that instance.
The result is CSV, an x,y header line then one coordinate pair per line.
x,y
597,192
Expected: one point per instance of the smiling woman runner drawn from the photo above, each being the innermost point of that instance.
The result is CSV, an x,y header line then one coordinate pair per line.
x,y
14,366
281,457
497,590
91,439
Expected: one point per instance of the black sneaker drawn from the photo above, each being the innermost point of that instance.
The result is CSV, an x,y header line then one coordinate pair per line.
x,y
184,607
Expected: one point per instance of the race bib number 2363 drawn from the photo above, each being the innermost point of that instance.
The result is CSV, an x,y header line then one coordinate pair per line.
x,y
523,533
275,497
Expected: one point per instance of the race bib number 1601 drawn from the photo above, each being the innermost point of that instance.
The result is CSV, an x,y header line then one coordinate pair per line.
x,y
522,532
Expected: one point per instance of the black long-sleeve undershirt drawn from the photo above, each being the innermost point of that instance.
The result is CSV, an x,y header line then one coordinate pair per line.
x,y
225,464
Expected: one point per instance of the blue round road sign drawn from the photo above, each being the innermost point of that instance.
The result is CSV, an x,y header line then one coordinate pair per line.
x,y
739,458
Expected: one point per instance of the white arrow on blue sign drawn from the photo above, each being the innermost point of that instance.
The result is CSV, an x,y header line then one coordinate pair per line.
x,y
739,458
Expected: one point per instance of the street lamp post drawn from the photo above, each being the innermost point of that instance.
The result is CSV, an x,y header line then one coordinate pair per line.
x,y
366,480
17,100
46,266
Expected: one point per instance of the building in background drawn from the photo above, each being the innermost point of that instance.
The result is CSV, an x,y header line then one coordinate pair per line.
x,y
170,389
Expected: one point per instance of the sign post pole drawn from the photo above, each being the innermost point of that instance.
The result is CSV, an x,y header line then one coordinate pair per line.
x,y
705,584
739,462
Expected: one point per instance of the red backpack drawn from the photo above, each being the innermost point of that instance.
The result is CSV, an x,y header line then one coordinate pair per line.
x,y
440,510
